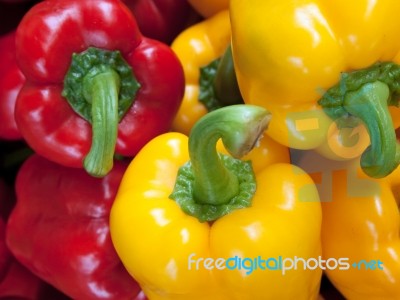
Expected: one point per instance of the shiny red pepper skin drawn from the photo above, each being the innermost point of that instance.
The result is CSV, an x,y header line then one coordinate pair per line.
x,y
11,82
48,35
162,20
17,282
20,283
59,230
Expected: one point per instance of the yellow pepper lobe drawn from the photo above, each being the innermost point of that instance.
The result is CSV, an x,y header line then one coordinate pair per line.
x,y
144,220
288,54
360,224
196,47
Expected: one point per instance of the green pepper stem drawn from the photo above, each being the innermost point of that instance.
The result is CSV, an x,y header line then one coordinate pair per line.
x,y
218,84
211,185
102,78
369,104
225,83
240,127
365,95
102,91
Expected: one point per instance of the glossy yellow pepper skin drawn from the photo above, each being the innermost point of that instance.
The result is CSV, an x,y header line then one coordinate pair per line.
x,y
288,53
208,8
154,237
196,47
361,222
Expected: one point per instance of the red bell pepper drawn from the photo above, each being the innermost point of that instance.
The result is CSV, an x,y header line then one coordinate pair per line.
x,y
16,282
162,20
11,82
20,283
5,255
59,230
95,86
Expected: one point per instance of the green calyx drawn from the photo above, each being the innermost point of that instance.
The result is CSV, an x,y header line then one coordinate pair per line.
x,y
246,187
218,83
100,86
364,96
212,185
89,63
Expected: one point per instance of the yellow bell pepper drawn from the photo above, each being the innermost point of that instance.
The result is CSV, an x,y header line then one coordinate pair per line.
x,y
208,8
360,226
312,62
176,233
205,54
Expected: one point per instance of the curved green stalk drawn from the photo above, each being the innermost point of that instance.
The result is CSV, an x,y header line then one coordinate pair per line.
x,y
212,185
365,95
218,83
100,86
102,90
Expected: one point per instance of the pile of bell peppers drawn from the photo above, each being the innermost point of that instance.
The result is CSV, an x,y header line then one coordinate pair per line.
x,y
186,149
